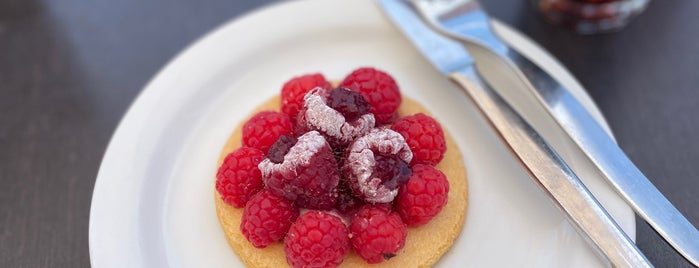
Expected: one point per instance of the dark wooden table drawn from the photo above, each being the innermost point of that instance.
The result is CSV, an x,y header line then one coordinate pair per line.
x,y
70,68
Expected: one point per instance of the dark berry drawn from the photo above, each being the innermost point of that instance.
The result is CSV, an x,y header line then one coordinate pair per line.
x,y
347,202
280,148
392,170
349,103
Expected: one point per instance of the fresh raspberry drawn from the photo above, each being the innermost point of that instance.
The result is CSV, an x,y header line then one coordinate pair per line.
x,y
264,128
340,115
267,218
423,196
377,233
307,174
316,239
379,89
376,164
294,90
424,136
238,178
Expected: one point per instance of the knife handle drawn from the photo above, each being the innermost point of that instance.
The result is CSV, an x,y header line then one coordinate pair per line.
x,y
551,173
611,161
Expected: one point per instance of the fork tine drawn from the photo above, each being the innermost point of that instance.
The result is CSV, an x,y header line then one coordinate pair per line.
x,y
467,15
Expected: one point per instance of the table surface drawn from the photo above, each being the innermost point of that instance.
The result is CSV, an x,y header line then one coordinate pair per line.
x,y
70,68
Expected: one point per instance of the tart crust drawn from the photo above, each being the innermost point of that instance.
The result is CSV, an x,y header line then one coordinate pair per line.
x,y
424,245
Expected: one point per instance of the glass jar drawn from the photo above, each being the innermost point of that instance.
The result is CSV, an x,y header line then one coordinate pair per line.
x,y
590,16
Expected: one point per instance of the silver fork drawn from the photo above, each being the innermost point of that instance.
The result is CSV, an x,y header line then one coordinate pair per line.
x,y
466,21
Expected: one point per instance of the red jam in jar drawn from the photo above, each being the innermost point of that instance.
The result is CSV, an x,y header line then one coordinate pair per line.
x,y
590,16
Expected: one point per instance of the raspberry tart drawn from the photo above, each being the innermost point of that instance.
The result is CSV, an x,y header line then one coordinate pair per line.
x,y
341,174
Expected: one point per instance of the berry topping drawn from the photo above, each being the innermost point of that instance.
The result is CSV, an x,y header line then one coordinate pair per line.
x,y
423,196
267,218
379,89
360,165
392,170
316,239
238,178
349,103
347,202
424,136
264,128
308,174
279,149
294,90
377,233
386,180
318,114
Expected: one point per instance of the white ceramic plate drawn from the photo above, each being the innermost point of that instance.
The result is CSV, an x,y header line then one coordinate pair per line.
x,y
153,199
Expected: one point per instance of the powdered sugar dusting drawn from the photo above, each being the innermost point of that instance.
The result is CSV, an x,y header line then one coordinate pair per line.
x,y
330,122
300,154
360,163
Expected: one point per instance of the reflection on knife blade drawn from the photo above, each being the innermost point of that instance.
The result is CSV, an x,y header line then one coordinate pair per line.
x,y
543,164
464,20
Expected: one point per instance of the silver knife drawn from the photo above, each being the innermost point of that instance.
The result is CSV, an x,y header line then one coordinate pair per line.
x,y
543,164
465,20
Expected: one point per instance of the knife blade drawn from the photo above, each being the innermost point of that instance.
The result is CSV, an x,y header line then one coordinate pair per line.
x,y
464,20
543,164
